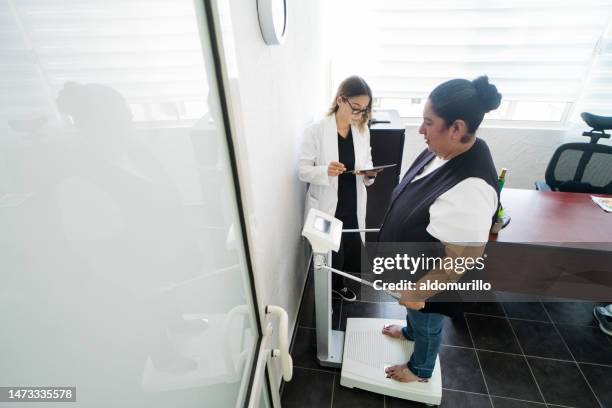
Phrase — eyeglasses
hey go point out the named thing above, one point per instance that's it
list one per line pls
(356, 110)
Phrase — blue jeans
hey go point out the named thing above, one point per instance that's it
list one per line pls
(425, 329)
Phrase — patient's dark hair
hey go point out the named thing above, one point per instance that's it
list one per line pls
(465, 100)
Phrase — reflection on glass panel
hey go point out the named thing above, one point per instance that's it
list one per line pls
(122, 261)
(265, 400)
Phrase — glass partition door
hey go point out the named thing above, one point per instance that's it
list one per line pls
(124, 270)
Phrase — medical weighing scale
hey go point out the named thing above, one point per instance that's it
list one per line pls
(362, 351)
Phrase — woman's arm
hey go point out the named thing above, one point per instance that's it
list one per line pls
(461, 219)
(416, 299)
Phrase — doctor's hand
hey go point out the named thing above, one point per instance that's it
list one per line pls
(335, 168)
(369, 174)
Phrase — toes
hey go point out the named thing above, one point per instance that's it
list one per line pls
(400, 373)
(397, 377)
(390, 371)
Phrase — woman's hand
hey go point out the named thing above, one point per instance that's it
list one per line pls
(369, 174)
(335, 169)
(413, 305)
(410, 299)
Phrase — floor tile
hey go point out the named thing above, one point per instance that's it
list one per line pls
(499, 402)
(391, 402)
(456, 333)
(571, 312)
(515, 297)
(540, 339)
(484, 308)
(308, 388)
(359, 309)
(453, 399)
(353, 285)
(562, 383)
(492, 333)
(336, 313)
(587, 344)
(369, 294)
(450, 399)
(460, 370)
(393, 311)
(355, 398)
(522, 306)
(600, 379)
(508, 376)
(356, 286)
(526, 310)
(307, 312)
(304, 351)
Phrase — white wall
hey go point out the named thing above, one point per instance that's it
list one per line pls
(282, 89)
(525, 152)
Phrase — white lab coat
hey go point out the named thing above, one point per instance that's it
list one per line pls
(319, 147)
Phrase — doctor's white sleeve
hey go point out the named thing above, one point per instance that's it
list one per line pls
(308, 171)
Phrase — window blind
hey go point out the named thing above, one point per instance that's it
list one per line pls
(596, 96)
(536, 51)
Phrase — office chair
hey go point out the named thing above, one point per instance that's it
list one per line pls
(582, 167)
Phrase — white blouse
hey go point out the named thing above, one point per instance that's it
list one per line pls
(463, 214)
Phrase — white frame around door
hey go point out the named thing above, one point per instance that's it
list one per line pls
(222, 45)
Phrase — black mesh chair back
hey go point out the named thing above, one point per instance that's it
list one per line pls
(581, 168)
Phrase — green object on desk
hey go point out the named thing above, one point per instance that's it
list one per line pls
(502, 181)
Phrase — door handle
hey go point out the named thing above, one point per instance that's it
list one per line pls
(282, 351)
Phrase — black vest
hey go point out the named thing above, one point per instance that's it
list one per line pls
(407, 216)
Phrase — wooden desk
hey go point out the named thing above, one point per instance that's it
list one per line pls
(538, 216)
(557, 245)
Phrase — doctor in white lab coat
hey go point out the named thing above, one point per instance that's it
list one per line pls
(334, 150)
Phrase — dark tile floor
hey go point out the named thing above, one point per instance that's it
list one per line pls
(502, 354)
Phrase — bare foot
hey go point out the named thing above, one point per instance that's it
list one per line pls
(393, 330)
(401, 373)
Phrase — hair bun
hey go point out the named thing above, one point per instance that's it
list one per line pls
(487, 93)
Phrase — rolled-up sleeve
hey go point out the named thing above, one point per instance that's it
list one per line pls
(463, 214)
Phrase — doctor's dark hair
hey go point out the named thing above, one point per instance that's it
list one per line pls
(460, 99)
(350, 87)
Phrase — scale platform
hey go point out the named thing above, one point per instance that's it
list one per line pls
(366, 354)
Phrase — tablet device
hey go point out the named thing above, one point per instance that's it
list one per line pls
(376, 169)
